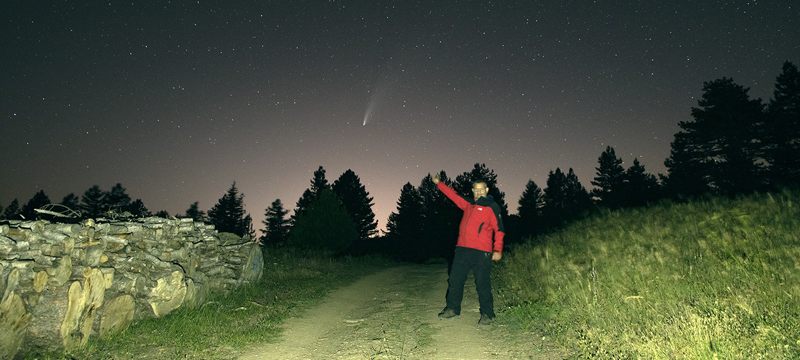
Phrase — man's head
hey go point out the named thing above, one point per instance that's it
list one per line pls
(479, 189)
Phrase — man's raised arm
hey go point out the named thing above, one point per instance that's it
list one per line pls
(450, 193)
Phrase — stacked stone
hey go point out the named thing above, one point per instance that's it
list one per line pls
(62, 283)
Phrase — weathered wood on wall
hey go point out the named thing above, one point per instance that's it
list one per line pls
(64, 283)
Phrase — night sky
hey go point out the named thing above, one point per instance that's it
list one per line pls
(178, 99)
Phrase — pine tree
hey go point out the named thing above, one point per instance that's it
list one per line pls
(247, 227)
(722, 141)
(565, 198)
(12, 211)
(531, 204)
(555, 198)
(640, 188)
(609, 179)
(325, 225)
(687, 168)
(137, 209)
(71, 201)
(318, 183)
(577, 196)
(479, 172)
(228, 214)
(93, 203)
(276, 225)
(440, 218)
(357, 202)
(403, 230)
(162, 214)
(195, 213)
(782, 150)
(117, 199)
(38, 200)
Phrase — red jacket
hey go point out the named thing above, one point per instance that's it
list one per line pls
(481, 220)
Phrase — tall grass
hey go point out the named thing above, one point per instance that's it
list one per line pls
(224, 325)
(717, 278)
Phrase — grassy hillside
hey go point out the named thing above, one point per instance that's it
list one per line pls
(709, 279)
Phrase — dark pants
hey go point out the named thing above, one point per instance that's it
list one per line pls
(480, 263)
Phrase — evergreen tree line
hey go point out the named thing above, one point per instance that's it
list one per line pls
(425, 224)
(732, 145)
(93, 203)
(227, 215)
(339, 217)
(334, 217)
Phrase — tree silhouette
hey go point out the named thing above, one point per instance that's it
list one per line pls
(38, 200)
(609, 179)
(404, 228)
(318, 183)
(71, 201)
(325, 225)
(228, 214)
(687, 168)
(783, 128)
(531, 204)
(565, 198)
(577, 196)
(195, 213)
(555, 198)
(479, 172)
(117, 199)
(12, 211)
(137, 209)
(722, 141)
(440, 219)
(276, 225)
(358, 204)
(92, 202)
(640, 188)
(162, 214)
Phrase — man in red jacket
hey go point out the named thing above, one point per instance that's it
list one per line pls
(480, 241)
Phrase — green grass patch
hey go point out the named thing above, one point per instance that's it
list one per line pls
(717, 278)
(227, 323)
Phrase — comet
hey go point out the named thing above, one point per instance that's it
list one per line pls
(369, 112)
(378, 96)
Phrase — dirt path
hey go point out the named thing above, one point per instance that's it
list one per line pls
(392, 315)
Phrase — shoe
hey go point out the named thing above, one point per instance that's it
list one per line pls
(486, 320)
(447, 313)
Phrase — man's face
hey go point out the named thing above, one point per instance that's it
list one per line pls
(479, 189)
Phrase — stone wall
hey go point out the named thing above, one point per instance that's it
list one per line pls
(63, 283)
